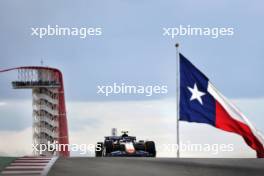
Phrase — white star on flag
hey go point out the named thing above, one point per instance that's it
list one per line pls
(196, 94)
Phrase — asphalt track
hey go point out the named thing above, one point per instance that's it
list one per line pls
(156, 167)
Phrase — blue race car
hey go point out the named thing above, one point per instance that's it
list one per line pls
(125, 146)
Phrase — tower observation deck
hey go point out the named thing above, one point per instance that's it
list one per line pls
(49, 111)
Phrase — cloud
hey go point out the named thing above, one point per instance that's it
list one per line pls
(2, 103)
(154, 120)
(16, 143)
(15, 115)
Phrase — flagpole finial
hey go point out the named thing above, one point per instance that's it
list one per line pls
(177, 45)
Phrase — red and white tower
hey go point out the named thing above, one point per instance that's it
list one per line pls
(49, 111)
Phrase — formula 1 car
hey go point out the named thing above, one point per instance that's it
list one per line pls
(125, 146)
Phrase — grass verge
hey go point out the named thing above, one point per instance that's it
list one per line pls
(5, 161)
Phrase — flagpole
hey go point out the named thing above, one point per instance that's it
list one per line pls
(177, 97)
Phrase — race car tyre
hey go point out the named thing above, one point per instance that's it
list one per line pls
(150, 148)
(108, 147)
(99, 149)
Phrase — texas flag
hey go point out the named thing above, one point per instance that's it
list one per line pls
(201, 102)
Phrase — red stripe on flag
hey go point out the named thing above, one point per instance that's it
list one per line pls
(225, 122)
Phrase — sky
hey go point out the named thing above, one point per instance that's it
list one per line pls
(131, 50)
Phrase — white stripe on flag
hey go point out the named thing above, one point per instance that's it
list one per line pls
(233, 111)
